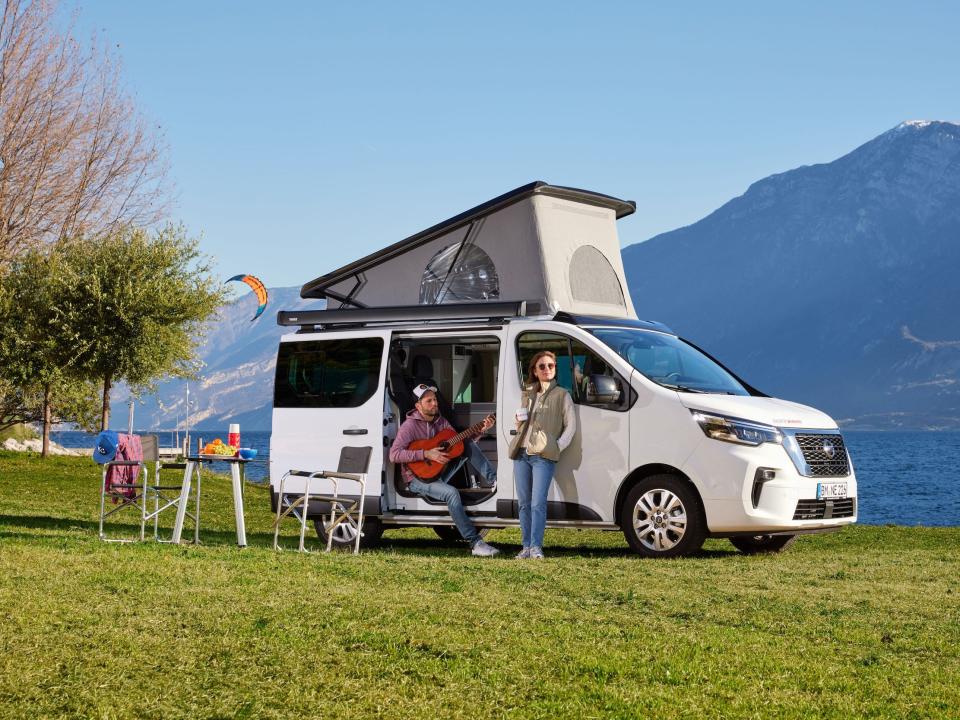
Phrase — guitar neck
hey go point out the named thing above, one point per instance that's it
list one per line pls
(472, 430)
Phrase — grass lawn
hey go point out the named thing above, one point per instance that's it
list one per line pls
(862, 623)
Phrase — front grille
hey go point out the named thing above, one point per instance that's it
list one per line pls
(821, 464)
(825, 509)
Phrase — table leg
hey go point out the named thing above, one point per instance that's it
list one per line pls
(184, 501)
(196, 507)
(238, 503)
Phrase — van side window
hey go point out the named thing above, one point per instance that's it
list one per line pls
(327, 373)
(575, 363)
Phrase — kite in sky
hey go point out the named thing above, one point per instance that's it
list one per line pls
(257, 287)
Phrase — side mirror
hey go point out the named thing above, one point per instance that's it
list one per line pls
(602, 390)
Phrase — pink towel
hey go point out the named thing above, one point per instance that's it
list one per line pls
(128, 448)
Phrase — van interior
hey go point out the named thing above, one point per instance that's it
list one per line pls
(464, 370)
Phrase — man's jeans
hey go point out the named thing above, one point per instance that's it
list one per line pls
(533, 475)
(440, 489)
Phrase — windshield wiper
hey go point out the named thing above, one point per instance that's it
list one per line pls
(684, 388)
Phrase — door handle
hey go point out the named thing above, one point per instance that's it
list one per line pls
(513, 432)
(355, 431)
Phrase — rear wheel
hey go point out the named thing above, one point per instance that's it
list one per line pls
(345, 534)
(662, 517)
(756, 544)
(450, 534)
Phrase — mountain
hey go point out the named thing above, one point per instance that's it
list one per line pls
(236, 379)
(834, 285)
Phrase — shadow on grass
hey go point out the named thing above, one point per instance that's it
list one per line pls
(427, 546)
(121, 529)
(288, 540)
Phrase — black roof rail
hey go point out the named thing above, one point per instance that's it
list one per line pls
(409, 313)
(572, 319)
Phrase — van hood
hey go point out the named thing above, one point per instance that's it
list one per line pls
(770, 411)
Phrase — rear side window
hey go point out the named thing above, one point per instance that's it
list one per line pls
(327, 373)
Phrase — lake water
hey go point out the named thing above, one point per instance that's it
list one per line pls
(905, 478)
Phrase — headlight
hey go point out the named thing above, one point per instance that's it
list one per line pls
(734, 430)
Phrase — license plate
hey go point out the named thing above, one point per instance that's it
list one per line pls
(827, 491)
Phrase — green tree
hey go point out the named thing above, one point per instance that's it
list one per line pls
(37, 382)
(132, 304)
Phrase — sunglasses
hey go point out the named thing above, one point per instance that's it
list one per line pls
(546, 366)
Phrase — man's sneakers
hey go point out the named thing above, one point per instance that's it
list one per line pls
(482, 549)
(487, 483)
(524, 554)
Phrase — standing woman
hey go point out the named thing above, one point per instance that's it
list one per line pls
(546, 424)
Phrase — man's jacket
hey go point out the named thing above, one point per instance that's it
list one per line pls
(415, 427)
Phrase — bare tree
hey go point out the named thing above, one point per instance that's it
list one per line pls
(75, 155)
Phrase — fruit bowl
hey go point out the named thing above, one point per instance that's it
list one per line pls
(247, 453)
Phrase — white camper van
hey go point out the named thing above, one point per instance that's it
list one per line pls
(671, 447)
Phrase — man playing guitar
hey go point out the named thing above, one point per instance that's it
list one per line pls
(423, 423)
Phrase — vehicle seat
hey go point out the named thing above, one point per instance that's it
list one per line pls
(399, 383)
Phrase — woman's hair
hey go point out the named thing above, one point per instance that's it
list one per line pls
(532, 368)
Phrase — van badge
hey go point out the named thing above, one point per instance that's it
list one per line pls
(829, 449)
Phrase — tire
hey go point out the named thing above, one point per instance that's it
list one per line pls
(450, 534)
(758, 544)
(662, 517)
(344, 536)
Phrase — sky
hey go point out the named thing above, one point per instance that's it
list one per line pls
(305, 135)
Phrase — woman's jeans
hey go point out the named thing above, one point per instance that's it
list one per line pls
(532, 475)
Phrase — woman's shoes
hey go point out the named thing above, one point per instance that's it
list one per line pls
(530, 553)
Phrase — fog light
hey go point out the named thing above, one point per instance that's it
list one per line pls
(761, 476)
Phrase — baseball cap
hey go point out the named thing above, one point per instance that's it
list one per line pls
(422, 388)
(105, 446)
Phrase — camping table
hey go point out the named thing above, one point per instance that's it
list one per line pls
(236, 474)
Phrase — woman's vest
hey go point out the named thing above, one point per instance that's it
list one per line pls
(544, 425)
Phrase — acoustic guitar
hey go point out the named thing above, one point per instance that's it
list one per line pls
(448, 441)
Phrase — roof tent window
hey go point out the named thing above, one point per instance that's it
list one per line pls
(593, 279)
(459, 273)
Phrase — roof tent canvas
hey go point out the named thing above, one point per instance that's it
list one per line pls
(545, 244)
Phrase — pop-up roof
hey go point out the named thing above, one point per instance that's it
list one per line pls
(551, 245)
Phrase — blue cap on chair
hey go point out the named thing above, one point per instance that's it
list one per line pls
(105, 446)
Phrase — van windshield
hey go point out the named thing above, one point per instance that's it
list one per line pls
(669, 361)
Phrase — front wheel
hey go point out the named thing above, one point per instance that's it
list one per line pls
(662, 517)
(757, 544)
(345, 534)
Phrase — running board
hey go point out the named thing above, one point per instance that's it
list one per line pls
(402, 519)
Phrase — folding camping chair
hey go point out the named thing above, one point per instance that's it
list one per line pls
(345, 510)
(131, 494)
(139, 494)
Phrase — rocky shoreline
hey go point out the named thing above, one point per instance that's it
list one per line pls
(36, 445)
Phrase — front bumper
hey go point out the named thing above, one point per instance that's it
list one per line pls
(725, 474)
